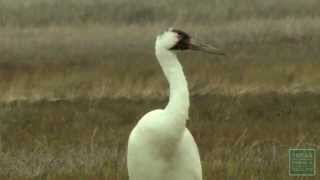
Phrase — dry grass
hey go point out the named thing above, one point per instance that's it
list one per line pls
(75, 76)
(47, 12)
(243, 137)
(100, 61)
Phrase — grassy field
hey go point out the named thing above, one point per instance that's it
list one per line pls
(60, 12)
(75, 77)
(240, 137)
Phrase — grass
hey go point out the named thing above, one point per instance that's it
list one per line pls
(75, 76)
(244, 136)
(66, 62)
(62, 12)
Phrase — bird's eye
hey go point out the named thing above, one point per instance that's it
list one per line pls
(179, 37)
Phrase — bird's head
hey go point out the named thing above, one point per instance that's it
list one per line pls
(174, 39)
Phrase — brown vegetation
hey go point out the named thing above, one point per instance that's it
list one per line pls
(75, 76)
(100, 61)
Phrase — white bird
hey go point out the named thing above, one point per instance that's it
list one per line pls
(160, 146)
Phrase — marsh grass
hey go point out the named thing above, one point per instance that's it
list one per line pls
(243, 137)
(61, 12)
(64, 91)
(75, 76)
(65, 62)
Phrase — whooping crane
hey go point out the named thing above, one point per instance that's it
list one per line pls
(160, 146)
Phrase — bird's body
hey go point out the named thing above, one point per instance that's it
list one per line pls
(165, 155)
(160, 146)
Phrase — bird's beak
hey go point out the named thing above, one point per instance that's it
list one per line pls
(201, 46)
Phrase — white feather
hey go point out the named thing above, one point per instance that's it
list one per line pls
(160, 146)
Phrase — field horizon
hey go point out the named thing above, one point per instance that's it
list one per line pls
(96, 61)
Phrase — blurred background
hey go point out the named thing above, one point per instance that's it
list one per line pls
(76, 75)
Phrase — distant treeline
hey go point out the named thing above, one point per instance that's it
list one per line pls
(23, 13)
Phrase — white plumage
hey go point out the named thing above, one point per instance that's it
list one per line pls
(160, 146)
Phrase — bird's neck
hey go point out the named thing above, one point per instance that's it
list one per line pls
(178, 105)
